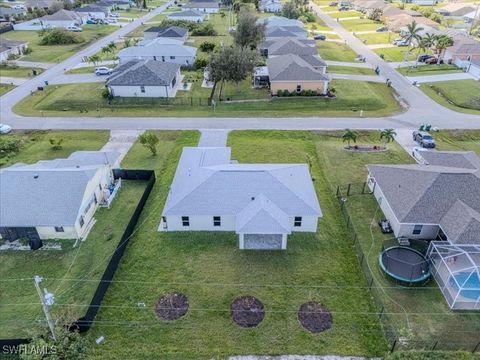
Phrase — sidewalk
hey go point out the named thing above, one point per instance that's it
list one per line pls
(213, 138)
(122, 141)
(441, 77)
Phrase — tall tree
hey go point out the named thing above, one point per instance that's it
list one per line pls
(387, 135)
(413, 33)
(149, 141)
(442, 42)
(248, 32)
(290, 10)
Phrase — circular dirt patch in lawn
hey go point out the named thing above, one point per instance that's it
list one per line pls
(315, 317)
(172, 306)
(247, 311)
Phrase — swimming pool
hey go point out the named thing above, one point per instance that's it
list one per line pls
(471, 284)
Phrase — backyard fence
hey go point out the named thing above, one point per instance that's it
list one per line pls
(396, 341)
(83, 324)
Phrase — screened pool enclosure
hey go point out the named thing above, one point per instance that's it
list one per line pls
(456, 268)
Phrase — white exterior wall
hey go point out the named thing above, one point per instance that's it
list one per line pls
(182, 60)
(474, 70)
(16, 50)
(197, 19)
(58, 23)
(309, 224)
(204, 10)
(425, 2)
(48, 232)
(134, 91)
(201, 223)
(32, 25)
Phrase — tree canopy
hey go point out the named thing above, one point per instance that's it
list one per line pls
(248, 32)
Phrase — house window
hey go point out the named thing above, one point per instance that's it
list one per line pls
(59, 229)
(185, 221)
(299, 88)
(163, 58)
(297, 222)
(417, 229)
(172, 57)
(142, 89)
(81, 221)
(217, 221)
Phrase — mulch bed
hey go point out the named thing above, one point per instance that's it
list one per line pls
(172, 306)
(247, 311)
(315, 317)
(366, 148)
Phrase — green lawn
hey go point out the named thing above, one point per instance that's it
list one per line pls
(20, 310)
(458, 95)
(420, 314)
(4, 88)
(423, 70)
(458, 140)
(378, 38)
(81, 70)
(397, 53)
(375, 99)
(35, 144)
(360, 25)
(17, 71)
(131, 13)
(344, 14)
(335, 51)
(211, 270)
(350, 70)
(57, 53)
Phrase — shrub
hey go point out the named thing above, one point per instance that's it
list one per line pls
(205, 30)
(207, 46)
(106, 94)
(200, 63)
(58, 36)
(27, 51)
(9, 147)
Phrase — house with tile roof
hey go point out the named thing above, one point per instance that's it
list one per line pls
(55, 199)
(436, 199)
(144, 78)
(262, 203)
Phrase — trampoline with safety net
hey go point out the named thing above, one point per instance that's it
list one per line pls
(405, 266)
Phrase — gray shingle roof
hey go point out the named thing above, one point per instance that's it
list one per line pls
(187, 13)
(144, 73)
(292, 67)
(201, 5)
(171, 31)
(92, 8)
(61, 15)
(206, 183)
(289, 45)
(10, 11)
(7, 44)
(48, 193)
(159, 47)
(441, 194)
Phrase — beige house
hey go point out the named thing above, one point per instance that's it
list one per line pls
(295, 73)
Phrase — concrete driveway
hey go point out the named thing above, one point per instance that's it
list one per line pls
(77, 79)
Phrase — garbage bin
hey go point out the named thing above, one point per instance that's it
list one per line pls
(35, 244)
(34, 72)
(40, 88)
(46, 82)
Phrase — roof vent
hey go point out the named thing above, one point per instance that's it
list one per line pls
(35, 176)
(78, 166)
(253, 198)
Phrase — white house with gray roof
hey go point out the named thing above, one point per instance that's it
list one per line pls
(171, 32)
(144, 78)
(438, 199)
(272, 6)
(188, 15)
(262, 203)
(207, 7)
(54, 198)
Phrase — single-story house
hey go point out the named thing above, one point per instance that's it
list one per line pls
(389, 12)
(474, 69)
(61, 19)
(94, 11)
(285, 46)
(262, 203)
(436, 199)
(144, 78)
(279, 21)
(208, 7)
(294, 73)
(54, 198)
(115, 4)
(9, 14)
(41, 4)
(368, 6)
(9, 47)
(456, 9)
(466, 50)
(272, 6)
(188, 15)
(397, 22)
(285, 32)
(471, 17)
(425, 2)
(160, 49)
(171, 32)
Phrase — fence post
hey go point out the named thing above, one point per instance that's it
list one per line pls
(476, 347)
(363, 188)
(435, 345)
(348, 189)
(393, 346)
(338, 190)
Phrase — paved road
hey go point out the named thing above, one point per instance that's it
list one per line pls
(441, 77)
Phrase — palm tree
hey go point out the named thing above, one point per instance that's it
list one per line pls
(94, 59)
(388, 135)
(349, 135)
(441, 44)
(413, 33)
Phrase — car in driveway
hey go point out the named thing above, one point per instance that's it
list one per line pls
(432, 60)
(74, 28)
(103, 70)
(424, 139)
(400, 42)
(5, 129)
(320, 37)
(424, 57)
(381, 29)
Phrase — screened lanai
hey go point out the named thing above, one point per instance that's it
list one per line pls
(456, 268)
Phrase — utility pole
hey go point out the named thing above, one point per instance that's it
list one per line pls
(47, 300)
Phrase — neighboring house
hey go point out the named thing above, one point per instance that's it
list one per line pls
(439, 199)
(425, 2)
(208, 7)
(262, 203)
(41, 4)
(95, 12)
(279, 21)
(160, 49)
(54, 198)
(471, 17)
(463, 51)
(144, 78)
(272, 6)
(285, 46)
(367, 7)
(188, 15)
(115, 4)
(390, 12)
(9, 14)
(63, 19)
(172, 32)
(295, 73)
(397, 22)
(456, 9)
(11, 47)
(285, 32)
(473, 69)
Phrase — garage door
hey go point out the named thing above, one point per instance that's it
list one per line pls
(262, 241)
(14, 233)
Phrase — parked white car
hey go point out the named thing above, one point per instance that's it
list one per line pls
(5, 129)
(74, 28)
(400, 42)
(114, 15)
(111, 20)
(103, 70)
(19, 7)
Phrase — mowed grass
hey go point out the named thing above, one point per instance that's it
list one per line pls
(335, 51)
(378, 38)
(211, 271)
(57, 53)
(4, 88)
(20, 310)
(425, 70)
(458, 140)
(375, 99)
(459, 95)
(350, 70)
(35, 144)
(360, 25)
(344, 14)
(420, 314)
(82, 70)
(397, 54)
(17, 71)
